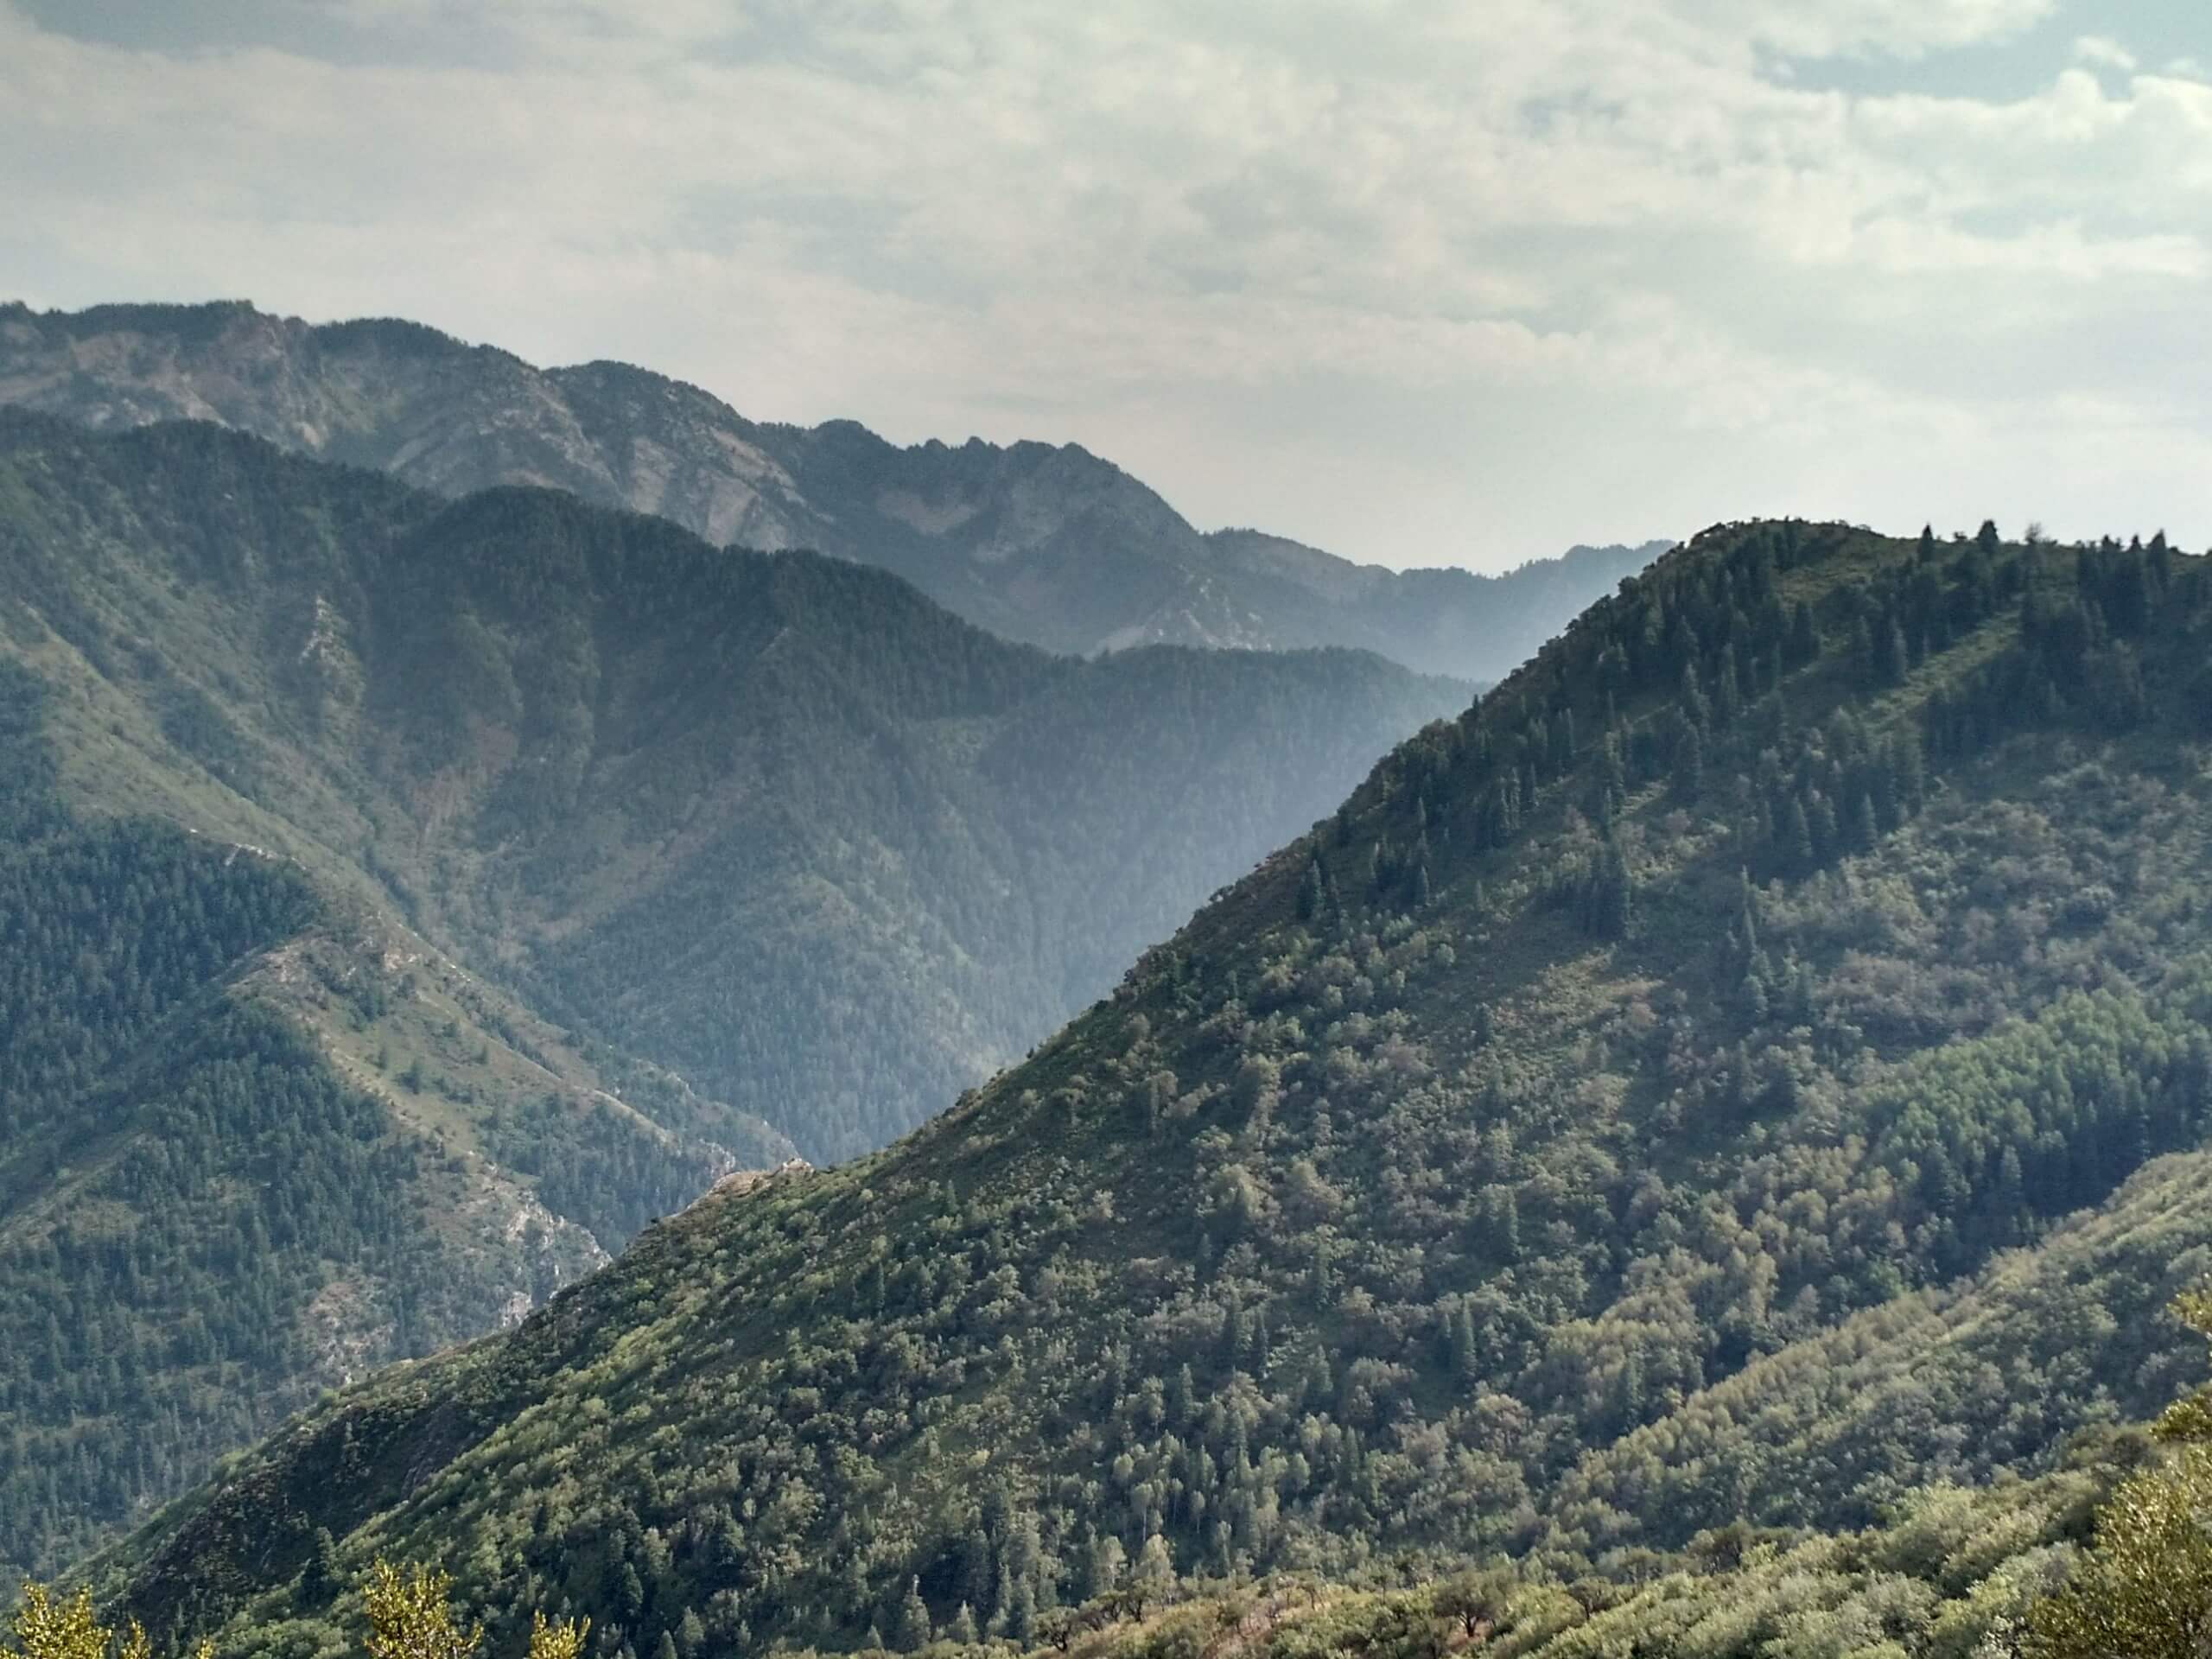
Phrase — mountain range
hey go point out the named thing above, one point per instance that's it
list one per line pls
(1683, 1126)
(406, 898)
(1045, 545)
(1709, 1132)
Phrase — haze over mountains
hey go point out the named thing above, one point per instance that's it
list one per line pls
(1751, 1065)
(1050, 546)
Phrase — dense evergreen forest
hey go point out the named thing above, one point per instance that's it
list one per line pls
(776, 822)
(1748, 1075)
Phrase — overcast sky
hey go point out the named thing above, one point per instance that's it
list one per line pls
(1420, 281)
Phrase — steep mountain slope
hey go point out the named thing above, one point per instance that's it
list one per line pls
(775, 821)
(283, 746)
(253, 1143)
(1048, 545)
(1755, 1059)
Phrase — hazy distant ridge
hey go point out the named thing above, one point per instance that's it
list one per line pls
(1050, 546)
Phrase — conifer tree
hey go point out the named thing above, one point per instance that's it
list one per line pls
(1804, 636)
(319, 1582)
(1463, 1341)
(1109, 1561)
(1689, 764)
(1891, 657)
(1155, 1568)
(1799, 845)
(914, 1629)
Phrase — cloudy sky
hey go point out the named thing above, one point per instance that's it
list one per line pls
(1420, 281)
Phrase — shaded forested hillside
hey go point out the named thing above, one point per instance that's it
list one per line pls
(254, 1142)
(774, 820)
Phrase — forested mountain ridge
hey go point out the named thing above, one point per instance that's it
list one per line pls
(1050, 546)
(1751, 1064)
(773, 820)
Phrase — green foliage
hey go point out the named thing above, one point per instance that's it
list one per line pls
(411, 1615)
(129, 1309)
(46, 1626)
(2146, 1589)
(408, 1611)
(1951, 1574)
(201, 1219)
(1752, 1063)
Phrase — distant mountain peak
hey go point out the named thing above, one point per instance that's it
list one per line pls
(1045, 543)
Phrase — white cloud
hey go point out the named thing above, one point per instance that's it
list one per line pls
(2103, 52)
(1598, 261)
